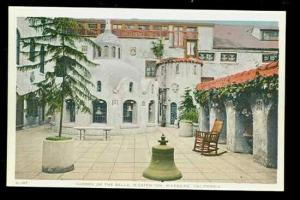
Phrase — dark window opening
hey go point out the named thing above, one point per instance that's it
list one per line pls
(207, 56)
(70, 104)
(270, 34)
(228, 57)
(269, 57)
(128, 111)
(99, 86)
(130, 86)
(150, 69)
(99, 111)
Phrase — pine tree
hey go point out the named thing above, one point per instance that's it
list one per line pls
(67, 75)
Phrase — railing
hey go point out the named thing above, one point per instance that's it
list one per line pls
(125, 33)
(141, 33)
(90, 32)
(191, 35)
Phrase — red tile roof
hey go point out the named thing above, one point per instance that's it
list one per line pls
(174, 60)
(264, 70)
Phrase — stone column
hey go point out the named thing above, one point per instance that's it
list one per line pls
(260, 132)
(231, 125)
(202, 120)
(212, 116)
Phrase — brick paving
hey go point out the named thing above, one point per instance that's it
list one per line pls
(125, 157)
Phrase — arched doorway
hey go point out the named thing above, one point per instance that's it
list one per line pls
(19, 112)
(206, 117)
(244, 128)
(130, 111)
(173, 115)
(151, 112)
(221, 115)
(99, 111)
(272, 137)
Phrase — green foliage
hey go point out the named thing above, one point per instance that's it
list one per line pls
(265, 88)
(191, 115)
(57, 138)
(187, 108)
(158, 48)
(58, 37)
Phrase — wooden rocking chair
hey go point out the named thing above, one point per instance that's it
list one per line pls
(207, 142)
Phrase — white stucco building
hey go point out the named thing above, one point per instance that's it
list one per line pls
(136, 92)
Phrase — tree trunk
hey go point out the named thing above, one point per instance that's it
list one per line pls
(61, 109)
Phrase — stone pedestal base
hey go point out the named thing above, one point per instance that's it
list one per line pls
(58, 156)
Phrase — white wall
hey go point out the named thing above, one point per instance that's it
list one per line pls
(205, 37)
(245, 60)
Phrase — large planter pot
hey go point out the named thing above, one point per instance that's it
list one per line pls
(195, 127)
(58, 156)
(185, 128)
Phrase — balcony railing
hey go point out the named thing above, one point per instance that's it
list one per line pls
(191, 35)
(125, 33)
(90, 32)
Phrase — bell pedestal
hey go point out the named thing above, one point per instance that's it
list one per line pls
(162, 166)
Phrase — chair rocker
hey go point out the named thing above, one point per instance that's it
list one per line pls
(207, 142)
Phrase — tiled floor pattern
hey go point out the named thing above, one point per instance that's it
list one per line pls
(125, 157)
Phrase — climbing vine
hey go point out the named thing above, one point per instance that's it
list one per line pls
(158, 48)
(265, 88)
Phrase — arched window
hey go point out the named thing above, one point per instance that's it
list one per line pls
(99, 86)
(99, 51)
(70, 107)
(99, 111)
(31, 50)
(129, 111)
(130, 86)
(113, 52)
(18, 47)
(42, 59)
(152, 89)
(106, 51)
(162, 70)
(177, 69)
(119, 53)
(195, 69)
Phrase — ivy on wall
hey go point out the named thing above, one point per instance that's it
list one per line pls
(265, 88)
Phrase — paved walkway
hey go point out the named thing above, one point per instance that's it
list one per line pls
(124, 157)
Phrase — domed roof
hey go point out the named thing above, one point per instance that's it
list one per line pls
(107, 38)
(114, 71)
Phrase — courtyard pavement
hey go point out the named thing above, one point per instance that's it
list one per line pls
(126, 156)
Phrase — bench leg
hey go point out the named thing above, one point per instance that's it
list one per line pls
(79, 134)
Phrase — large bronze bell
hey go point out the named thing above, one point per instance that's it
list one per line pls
(162, 166)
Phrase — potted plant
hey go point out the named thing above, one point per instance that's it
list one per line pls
(187, 122)
(188, 116)
(66, 77)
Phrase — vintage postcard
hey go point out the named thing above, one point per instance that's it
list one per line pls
(146, 98)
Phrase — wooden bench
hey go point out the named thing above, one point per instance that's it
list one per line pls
(82, 129)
